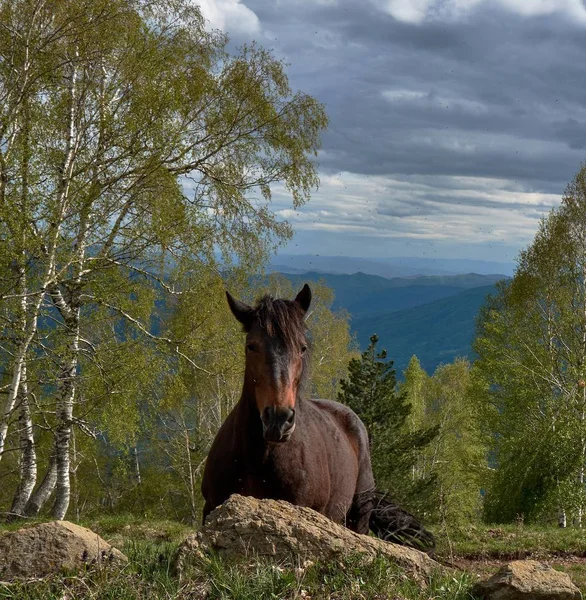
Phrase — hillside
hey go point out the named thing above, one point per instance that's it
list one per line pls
(430, 316)
(437, 332)
(365, 295)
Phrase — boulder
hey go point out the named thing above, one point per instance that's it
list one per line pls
(48, 548)
(243, 527)
(527, 580)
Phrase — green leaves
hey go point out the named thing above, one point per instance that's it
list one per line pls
(134, 148)
(532, 347)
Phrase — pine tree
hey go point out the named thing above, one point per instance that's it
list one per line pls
(371, 392)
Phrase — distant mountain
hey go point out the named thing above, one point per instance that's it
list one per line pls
(294, 263)
(432, 317)
(437, 332)
(365, 295)
(387, 267)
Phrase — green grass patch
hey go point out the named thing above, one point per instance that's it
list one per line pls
(149, 574)
(129, 527)
(14, 525)
(510, 542)
(348, 579)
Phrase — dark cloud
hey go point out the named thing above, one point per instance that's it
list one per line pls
(431, 204)
(572, 132)
(448, 137)
(501, 95)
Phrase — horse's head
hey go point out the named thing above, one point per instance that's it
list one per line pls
(276, 346)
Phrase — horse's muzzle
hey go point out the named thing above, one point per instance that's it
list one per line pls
(277, 424)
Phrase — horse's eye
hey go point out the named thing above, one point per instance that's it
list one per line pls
(251, 347)
(303, 349)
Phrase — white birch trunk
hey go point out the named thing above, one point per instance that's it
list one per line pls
(17, 370)
(191, 479)
(70, 312)
(40, 496)
(28, 460)
(66, 399)
(137, 475)
(49, 275)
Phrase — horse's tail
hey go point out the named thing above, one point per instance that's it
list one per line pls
(393, 524)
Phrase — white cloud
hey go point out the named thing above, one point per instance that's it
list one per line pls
(230, 16)
(411, 11)
(432, 98)
(474, 211)
(417, 11)
(529, 8)
(403, 95)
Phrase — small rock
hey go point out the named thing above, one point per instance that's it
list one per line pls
(527, 580)
(244, 526)
(48, 548)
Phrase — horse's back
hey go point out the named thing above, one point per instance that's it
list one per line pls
(350, 423)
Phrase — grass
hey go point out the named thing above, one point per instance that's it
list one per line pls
(512, 542)
(151, 545)
(149, 575)
(346, 580)
(483, 549)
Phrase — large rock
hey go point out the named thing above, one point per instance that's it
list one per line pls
(527, 580)
(41, 550)
(245, 526)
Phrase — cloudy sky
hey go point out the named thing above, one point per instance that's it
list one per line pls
(455, 124)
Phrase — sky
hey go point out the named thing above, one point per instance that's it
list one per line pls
(455, 125)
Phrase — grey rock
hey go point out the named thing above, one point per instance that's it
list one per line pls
(527, 580)
(248, 527)
(39, 550)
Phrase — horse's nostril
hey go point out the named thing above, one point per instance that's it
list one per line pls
(291, 417)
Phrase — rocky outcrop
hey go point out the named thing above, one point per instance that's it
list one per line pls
(527, 580)
(48, 548)
(245, 527)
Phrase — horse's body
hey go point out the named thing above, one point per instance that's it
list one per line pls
(276, 444)
(325, 465)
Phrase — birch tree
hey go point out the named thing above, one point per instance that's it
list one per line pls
(456, 458)
(143, 143)
(532, 347)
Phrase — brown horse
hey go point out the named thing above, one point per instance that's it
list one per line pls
(277, 444)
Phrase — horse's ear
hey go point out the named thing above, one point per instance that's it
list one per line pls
(303, 298)
(241, 311)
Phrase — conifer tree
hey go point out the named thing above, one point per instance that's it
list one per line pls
(371, 392)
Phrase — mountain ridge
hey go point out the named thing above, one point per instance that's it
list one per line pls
(432, 317)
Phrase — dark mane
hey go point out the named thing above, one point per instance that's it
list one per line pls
(282, 319)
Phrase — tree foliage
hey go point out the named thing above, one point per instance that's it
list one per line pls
(532, 347)
(133, 148)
